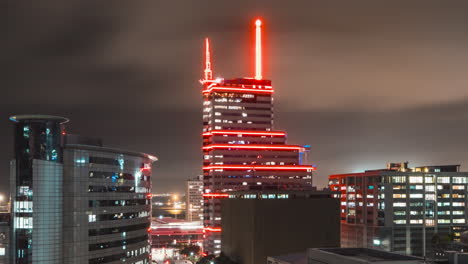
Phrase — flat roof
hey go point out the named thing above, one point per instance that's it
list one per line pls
(18, 118)
(369, 255)
(111, 150)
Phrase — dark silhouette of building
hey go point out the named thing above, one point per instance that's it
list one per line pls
(257, 224)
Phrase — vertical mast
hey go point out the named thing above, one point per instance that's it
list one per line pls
(208, 72)
(258, 49)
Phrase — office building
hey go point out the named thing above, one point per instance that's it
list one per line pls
(257, 224)
(402, 209)
(5, 227)
(241, 149)
(194, 199)
(75, 201)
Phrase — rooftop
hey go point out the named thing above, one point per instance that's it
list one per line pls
(19, 118)
(366, 255)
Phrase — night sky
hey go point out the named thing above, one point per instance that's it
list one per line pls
(362, 82)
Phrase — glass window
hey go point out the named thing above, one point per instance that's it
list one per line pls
(459, 179)
(443, 180)
(415, 179)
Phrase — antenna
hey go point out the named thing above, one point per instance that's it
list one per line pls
(258, 49)
(208, 72)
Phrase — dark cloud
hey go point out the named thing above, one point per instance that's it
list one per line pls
(363, 82)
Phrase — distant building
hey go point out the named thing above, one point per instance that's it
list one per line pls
(194, 199)
(402, 209)
(170, 235)
(345, 256)
(75, 201)
(257, 224)
(171, 232)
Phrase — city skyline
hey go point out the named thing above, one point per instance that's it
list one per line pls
(363, 81)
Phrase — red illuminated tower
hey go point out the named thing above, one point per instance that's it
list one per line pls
(240, 148)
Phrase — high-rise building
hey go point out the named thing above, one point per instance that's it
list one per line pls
(75, 201)
(241, 150)
(401, 209)
(194, 199)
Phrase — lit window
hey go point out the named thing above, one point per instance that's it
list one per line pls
(443, 179)
(459, 179)
(415, 179)
(91, 218)
(2, 251)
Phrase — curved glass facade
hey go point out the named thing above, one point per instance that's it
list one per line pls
(37, 196)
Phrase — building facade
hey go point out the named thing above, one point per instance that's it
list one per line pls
(75, 201)
(241, 149)
(5, 227)
(401, 209)
(258, 224)
(194, 199)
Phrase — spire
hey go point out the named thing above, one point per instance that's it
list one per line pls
(208, 72)
(258, 49)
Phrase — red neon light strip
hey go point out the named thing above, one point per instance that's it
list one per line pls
(213, 229)
(254, 147)
(232, 89)
(258, 49)
(216, 195)
(240, 132)
(259, 167)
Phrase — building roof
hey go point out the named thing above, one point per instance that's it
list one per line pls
(111, 150)
(366, 255)
(19, 118)
(295, 258)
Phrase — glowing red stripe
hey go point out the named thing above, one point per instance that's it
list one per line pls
(259, 167)
(240, 132)
(254, 147)
(232, 89)
(213, 229)
(258, 49)
(216, 195)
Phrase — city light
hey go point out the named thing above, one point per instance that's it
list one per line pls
(258, 49)
(237, 89)
(260, 167)
(216, 195)
(253, 147)
(244, 132)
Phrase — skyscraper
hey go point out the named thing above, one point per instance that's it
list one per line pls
(241, 150)
(75, 201)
